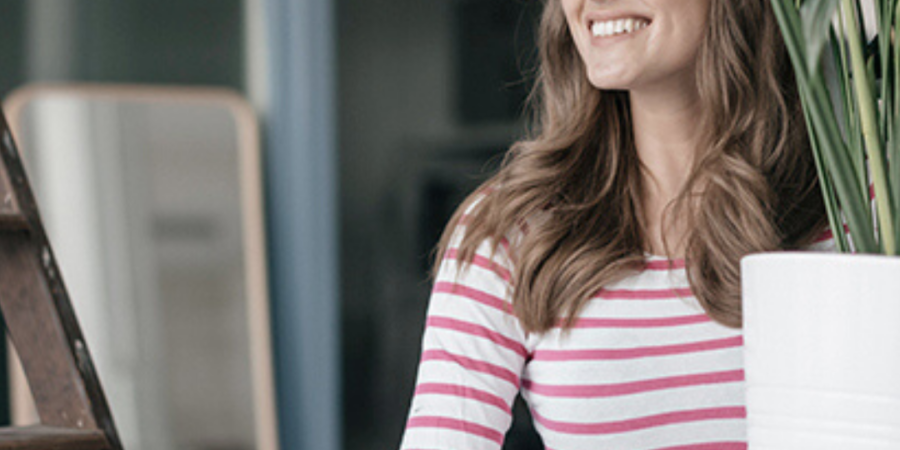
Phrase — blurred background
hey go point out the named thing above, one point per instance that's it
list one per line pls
(202, 162)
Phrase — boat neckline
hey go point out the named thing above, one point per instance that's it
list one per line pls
(653, 257)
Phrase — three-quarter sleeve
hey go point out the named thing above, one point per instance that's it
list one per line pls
(473, 351)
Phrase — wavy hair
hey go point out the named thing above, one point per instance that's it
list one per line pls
(752, 187)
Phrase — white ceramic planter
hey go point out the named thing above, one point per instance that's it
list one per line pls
(822, 351)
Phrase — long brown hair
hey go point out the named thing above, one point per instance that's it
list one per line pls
(753, 186)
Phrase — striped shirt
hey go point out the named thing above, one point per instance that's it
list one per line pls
(644, 368)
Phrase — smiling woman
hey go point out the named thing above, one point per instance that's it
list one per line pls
(597, 273)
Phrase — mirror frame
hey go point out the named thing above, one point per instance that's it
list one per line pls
(253, 227)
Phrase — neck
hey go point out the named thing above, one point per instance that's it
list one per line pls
(666, 135)
(666, 125)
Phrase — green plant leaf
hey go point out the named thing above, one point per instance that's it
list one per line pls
(835, 159)
(868, 114)
(894, 146)
(816, 16)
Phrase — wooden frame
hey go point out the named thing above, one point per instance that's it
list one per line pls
(252, 223)
(42, 325)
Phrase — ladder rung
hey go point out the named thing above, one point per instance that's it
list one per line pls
(41, 437)
(12, 222)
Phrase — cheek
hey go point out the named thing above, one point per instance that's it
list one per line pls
(573, 26)
(682, 34)
(570, 11)
(695, 30)
(684, 47)
(696, 40)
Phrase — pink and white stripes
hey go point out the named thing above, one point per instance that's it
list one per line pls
(642, 369)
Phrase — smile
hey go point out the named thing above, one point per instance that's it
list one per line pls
(618, 26)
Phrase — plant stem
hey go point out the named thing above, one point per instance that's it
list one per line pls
(871, 137)
(894, 162)
(853, 132)
(831, 208)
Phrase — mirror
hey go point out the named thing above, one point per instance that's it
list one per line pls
(152, 200)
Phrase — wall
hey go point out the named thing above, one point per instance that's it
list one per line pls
(410, 148)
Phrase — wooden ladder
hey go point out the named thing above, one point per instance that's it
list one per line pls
(40, 320)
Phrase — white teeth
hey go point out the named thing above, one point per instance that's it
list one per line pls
(612, 27)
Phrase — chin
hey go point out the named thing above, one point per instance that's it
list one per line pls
(609, 82)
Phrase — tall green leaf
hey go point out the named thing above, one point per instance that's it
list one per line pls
(853, 129)
(869, 115)
(884, 19)
(815, 17)
(832, 149)
(894, 147)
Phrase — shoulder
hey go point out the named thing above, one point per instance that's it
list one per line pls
(508, 238)
(493, 253)
(474, 278)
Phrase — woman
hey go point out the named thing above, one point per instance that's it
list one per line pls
(598, 272)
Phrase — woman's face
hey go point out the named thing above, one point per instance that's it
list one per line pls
(634, 44)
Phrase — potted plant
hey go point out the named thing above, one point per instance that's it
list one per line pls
(822, 330)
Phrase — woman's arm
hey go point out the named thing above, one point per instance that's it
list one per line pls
(473, 352)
